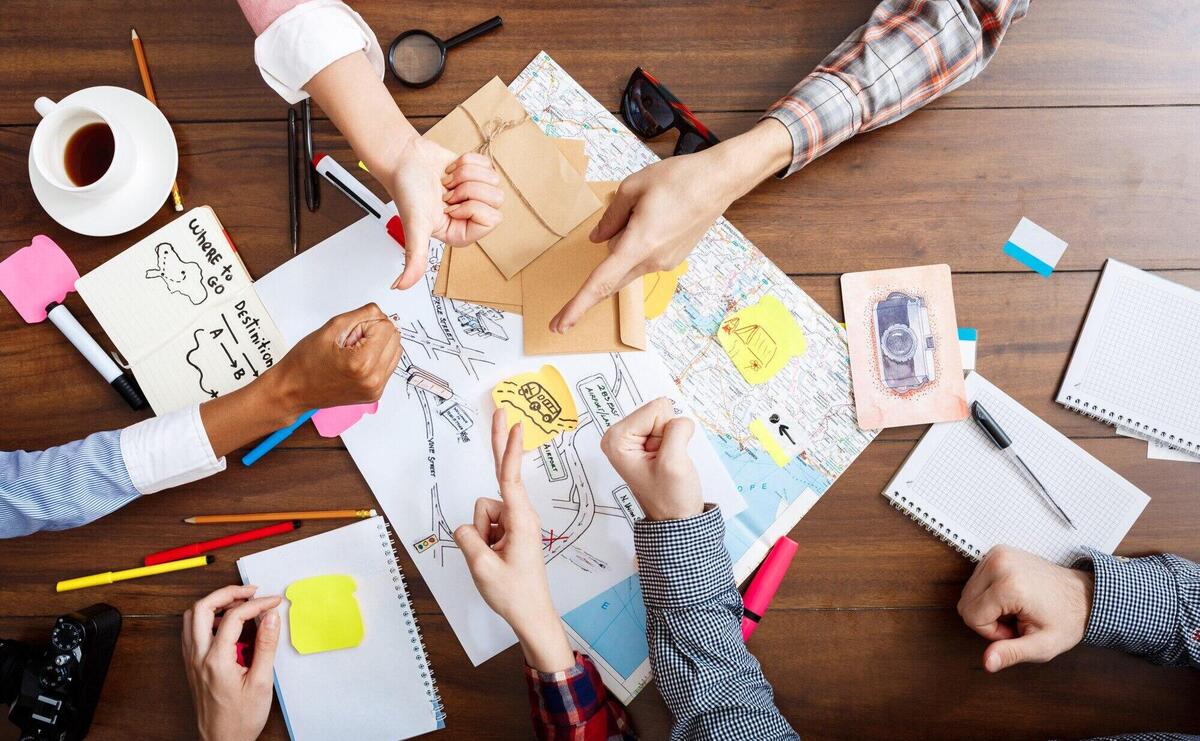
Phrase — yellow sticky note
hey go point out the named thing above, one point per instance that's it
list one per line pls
(324, 614)
(542, 401)
(761, 339)
(659, 288)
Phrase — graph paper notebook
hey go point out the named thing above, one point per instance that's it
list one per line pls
(379, 690)
(1135, 362)
(961, 488)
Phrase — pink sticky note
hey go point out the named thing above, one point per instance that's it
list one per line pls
(36, 275)
(336, 420)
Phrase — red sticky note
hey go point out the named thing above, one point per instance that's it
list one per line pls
(35, 276)
(334, 421)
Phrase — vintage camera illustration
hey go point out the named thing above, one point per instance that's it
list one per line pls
(905, 342)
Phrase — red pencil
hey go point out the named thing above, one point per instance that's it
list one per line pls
(204, 546)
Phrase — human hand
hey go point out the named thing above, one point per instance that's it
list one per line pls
(660, 212)
(455, 200)
(1030, 609)
(649, 450)
(347, 361)
(503, 549)
(231, 701)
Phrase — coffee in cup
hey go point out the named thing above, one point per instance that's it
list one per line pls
(77, 149)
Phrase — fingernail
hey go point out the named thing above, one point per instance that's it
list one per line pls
(992, 663)
(446, 179)
(595, 231)
(271, 621)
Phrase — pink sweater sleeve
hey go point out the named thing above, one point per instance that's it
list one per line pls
(262, 13)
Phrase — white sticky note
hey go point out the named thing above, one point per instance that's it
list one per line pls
(967, 339)
(1034, 247)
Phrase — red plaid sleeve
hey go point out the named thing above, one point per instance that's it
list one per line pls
(907, 54)
(573, 705)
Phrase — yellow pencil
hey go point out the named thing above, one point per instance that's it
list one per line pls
(108, 577)
(320, 514)
(144, 70)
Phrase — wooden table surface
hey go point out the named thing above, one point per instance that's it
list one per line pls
(1086, 122)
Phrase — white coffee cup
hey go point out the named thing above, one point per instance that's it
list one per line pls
(59, 123)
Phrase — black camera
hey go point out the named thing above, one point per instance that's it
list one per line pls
(52, 692)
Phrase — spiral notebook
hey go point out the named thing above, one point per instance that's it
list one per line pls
(961, 488)
(382, 689)
(1135, 363)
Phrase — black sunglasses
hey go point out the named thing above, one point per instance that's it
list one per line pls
(650, 110)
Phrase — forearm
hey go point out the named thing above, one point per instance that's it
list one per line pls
(251, 412)
(1149, 607)
(711, 683)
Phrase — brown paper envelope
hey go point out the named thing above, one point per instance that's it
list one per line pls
(616, 324)
(544, 197)
(474, 277)
(443, 274)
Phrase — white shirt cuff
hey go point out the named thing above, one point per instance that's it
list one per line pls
(168, 451)
(307, 39)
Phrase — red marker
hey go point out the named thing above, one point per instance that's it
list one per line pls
(341, 179)
(204, 546)
(762, 590)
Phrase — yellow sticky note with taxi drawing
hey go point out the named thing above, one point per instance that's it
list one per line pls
(760, 339)
(659, 288)
(541, 401)
(324, 614)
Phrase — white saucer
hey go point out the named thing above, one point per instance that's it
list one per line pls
(149, 185)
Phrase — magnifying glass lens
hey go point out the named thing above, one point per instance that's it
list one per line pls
(417, 58)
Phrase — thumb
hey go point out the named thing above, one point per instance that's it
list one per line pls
(615, 216)
(475, 549)
(417, 231)
(675, 438)
(265, 643)
(1035, 647)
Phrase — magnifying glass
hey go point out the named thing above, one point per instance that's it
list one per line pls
(417, 57)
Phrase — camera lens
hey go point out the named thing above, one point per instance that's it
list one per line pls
(899, 343)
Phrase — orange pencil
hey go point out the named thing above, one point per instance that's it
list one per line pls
(144, 70)
(321, 514)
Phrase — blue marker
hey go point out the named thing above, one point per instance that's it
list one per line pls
(276, 437)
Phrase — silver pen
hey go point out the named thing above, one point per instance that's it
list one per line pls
(1004, 443)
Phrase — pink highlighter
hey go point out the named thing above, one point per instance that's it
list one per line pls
(762, 590)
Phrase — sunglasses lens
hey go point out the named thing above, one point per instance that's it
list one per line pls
(646, 110)
(689, 142)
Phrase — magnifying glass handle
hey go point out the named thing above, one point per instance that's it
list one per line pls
(470, 33)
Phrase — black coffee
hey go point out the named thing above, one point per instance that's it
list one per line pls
(89, 153)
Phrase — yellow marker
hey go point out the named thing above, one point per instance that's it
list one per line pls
(543, 402)
(108, 577)
(324, 614)
(659, 288)
(761, 339)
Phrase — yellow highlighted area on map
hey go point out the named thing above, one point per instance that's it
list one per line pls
(760, 339)
(541, 401)
(659, 288)
(324, 614)
(768, 441)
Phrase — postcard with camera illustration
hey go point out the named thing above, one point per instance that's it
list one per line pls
(904, 358)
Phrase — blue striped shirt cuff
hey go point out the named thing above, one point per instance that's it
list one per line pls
(683, 562)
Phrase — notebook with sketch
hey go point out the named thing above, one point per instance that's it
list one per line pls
(958, 485)
(182, 311)
(1135, 364)
(382, 688)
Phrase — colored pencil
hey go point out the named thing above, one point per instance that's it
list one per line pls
(139, 54)
(276, 437)
(192, 550)
(108, 577)
(320, 514)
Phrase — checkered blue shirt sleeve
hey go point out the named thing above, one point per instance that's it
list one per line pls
(1146, 606)
(713, 686)
(907, 54)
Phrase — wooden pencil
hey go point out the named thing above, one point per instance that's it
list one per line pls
(321, 514)
(144, 70)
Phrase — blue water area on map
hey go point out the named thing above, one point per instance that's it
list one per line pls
(614, 625)
(614, 622)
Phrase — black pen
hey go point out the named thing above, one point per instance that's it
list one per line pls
(293, 186)
(312, 184)
(1002, 441)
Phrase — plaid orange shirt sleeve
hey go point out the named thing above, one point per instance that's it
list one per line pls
(908, 53)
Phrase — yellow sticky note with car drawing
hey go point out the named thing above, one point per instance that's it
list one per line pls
(659, 288)
(760, 339)
(541, 401)
(324, 614)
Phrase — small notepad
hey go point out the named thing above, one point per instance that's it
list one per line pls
(959, 486)
(182, 310)
(377, 687)
(1137, 359)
